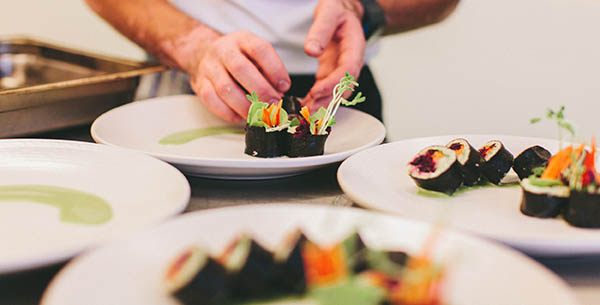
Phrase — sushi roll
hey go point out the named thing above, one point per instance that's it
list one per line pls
(435, 168)
(195, 278)
(265, 129)
(264, 144)
(583, 209)
(543, 198)
(303, 136)
(498, 161)
(250, 268)
(470, 160)
(532, 157)
(288, 275)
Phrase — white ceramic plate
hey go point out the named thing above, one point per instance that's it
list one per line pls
(137, 191)
(378, 179)
(141, 125)
(130, 272)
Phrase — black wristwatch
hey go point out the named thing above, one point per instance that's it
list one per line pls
(373, 21)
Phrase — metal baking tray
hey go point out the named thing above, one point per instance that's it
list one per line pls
(45, 87)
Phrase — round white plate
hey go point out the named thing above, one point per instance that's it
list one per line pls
(139, 190)
(378, 179)
(141, 125)
(130, 272)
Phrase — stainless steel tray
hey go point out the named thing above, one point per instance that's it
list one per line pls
(45, 87)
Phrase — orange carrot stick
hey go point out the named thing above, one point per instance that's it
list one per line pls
(266, 117)
(305, 113)
(558, 163)
(277, 111)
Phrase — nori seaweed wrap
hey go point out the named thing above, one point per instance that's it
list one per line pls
(264, 144)
(435, 168)
(250, 268)
(288, 274)
(583, 209)
(196, 278)
(543, 201)
(498, 161)
(302, 140)
(470, 160)
(532, 157)
(307, 145)
(266, 129)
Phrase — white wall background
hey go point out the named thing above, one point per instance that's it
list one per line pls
(487, 69)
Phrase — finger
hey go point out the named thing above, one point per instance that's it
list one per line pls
(328, 60)
(209, 97)
(350, 60)
(228, 91)
(315, 104)
(247, 75)
(264, 55)
(326, 20)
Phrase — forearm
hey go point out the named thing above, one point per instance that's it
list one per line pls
(403, 15)
(158, 27)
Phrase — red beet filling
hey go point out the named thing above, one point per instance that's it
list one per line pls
(456, 146)
(425, 163)
(484, 150)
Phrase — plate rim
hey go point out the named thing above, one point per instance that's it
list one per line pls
(65, 254)
(240, 163)
(532, 264)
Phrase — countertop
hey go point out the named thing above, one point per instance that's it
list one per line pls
(582, 274)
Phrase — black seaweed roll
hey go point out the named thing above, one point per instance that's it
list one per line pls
(289, 276)
(543, 201)
(264, 144)
(532, 157)
(435, 168)
(250, 268)
(306, 145)
(469, 159)
(583, 209)
(498, 161)
(195, 278)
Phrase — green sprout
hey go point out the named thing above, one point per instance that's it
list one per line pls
(346, 84)
(562, 123)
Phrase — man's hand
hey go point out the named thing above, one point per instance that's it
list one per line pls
(336, 38)
(234, 62)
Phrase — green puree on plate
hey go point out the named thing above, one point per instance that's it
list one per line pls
(462, 189)
(349, 292)
(74, 206)
(183, 137)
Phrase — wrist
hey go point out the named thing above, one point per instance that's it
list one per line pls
(373, 19)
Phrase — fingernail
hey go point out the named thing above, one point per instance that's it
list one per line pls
(273, 100)
(283, 86)
(314, 46)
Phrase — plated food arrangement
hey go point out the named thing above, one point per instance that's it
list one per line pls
(565, 184)
(378, 179)
(182, 131)
(163, 265)
(300, 270)
(286, 128)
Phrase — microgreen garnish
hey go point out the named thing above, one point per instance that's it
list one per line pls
(561, 122)
(346, 84)
(262, 114)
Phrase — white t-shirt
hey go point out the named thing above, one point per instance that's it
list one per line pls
(284, 23)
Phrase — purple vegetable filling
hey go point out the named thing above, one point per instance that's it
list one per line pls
(303, 130)
(484, 150)
(425, 163)
(456, 146)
